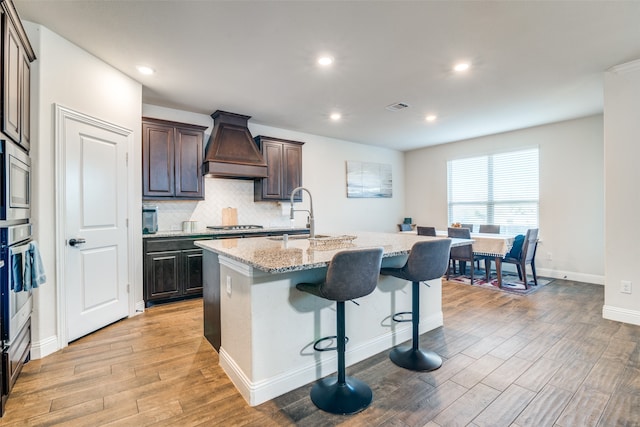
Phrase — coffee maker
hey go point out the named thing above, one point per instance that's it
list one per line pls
(149, 219)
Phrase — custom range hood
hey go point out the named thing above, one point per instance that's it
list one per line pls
(231, 151)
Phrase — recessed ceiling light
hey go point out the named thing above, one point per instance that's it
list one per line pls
(325, 60)
(461, 66)
(335, 116)
(143, 69)
(431, 118)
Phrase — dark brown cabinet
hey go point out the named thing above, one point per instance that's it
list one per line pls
(17, 56)
(284, 167)
(172, 160)
(172, 268)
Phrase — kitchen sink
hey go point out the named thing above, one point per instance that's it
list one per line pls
(291, 237)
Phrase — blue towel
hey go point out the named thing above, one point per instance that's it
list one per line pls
(16, 272)
(33, 269)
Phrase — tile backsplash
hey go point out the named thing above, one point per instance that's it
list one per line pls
(219, 194)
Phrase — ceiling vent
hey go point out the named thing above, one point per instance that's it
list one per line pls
(397, 106)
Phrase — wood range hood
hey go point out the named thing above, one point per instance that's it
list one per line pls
(231, 151)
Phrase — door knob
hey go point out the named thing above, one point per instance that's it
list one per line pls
(78, 241)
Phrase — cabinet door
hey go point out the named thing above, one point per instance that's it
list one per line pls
(272, 186)
(26, 103)
(12, 89)
(188, 160)
(157, 160)
(292, 174)
(163, 275)
(192, 277)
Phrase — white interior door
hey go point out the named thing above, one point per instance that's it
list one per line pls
(95, 228)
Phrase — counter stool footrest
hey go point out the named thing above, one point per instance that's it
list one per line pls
(350, 397)
(396, 317)
(415, 359)
(332, 337)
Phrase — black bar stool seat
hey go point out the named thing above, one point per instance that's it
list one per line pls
(351, 274)
(428, 260)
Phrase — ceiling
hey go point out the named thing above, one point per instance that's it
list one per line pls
(533, 62)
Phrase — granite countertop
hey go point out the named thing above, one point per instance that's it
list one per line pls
(210, 232)
(276, 256)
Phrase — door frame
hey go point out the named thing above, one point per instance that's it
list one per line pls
(61, 114)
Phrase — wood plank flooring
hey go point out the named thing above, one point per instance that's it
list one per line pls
(547, 359)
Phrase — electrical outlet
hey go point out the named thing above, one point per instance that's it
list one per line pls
(229, 285)
(625, 286)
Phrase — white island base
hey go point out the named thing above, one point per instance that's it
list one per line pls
(268, 327)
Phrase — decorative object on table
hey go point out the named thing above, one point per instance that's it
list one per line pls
(366, 179)
(408, 221)
(456, 225)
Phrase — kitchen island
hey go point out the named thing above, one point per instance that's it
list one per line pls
(264, 328)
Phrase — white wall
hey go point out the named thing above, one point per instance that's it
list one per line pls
(69, 76)
(571, 191)
(622, 201)
(323, 173)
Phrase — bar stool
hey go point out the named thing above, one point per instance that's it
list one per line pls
(428, 260)
(351, 274)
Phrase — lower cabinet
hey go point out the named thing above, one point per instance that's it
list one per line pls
(172, 269)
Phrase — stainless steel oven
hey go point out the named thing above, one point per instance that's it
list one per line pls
(16, 296)
(15, 177)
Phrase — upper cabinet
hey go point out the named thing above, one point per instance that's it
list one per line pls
(284, 169)
(172, 160)
(17, 55)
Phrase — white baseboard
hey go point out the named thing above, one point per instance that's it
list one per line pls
(45, 347)
(259, 392)
(621, 314)
(139, 308)
(570, 275)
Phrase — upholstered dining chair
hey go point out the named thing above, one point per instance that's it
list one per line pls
(527, 256)
(489, 228)
(469, 226)
(463, 253)
(492, 229)
(426, 231)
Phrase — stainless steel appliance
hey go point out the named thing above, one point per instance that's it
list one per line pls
(149, 219)
(15, 175)
(17, 301)
(235, 227)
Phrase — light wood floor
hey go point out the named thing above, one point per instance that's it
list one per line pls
(547, 359)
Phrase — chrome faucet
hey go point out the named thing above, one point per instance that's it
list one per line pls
(310, 219)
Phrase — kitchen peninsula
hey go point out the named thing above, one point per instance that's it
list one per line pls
(264, 328)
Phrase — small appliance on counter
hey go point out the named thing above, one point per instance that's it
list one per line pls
(149, 219)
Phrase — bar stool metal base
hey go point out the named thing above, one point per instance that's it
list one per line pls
(349, 398)
(415, 359)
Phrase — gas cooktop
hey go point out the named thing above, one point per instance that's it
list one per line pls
(234, 227)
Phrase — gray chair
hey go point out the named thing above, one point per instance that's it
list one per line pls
(489, 228)
(469, 226)
(527, 256)
(462, 254)
(426, 231)
(427, 260)
(351, 274)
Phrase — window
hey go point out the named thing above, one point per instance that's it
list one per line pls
(496, 189)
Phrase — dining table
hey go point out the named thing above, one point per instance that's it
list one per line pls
(493, 246)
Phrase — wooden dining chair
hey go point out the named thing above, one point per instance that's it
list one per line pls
(527, 256)
(426, 231)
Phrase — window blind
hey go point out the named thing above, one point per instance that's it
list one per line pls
(497, 189)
